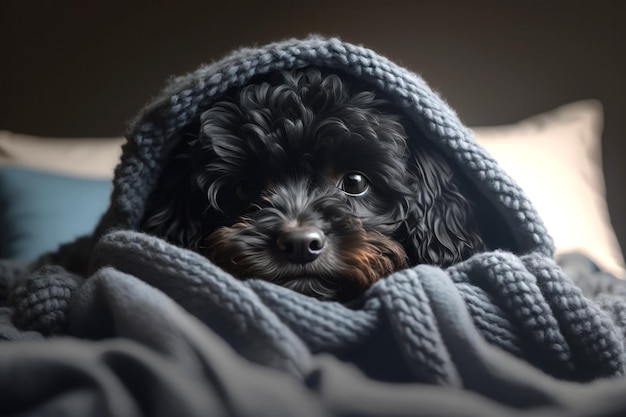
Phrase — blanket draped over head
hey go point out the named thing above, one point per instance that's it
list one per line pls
(123, 323)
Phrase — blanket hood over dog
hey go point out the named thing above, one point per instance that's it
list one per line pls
(158, 128)
(507, 325)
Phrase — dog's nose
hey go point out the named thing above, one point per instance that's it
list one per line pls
(301, 244)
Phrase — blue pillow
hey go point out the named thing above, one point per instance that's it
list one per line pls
(40, 210)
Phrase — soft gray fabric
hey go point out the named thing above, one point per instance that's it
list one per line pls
(153, 329)
(136, 351)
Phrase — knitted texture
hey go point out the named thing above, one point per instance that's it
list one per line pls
(39, 303)
(528, 307)
(523, 305)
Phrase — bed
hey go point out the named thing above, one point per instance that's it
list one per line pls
(120, 363)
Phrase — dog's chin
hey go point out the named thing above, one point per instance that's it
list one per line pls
(313, 287)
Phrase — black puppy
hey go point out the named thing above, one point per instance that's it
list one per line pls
(307, 179)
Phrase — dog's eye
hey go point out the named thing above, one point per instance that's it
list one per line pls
(247, 190)
(354, 184)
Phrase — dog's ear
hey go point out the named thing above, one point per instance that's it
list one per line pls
(440, 228)
(174, 209)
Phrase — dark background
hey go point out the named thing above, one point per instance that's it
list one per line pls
(84, 68)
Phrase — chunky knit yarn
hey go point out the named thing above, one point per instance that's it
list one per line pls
(525, 305)
(40, 303)
(415, 325)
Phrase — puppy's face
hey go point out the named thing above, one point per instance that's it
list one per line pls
(306, 180)
(309, 180)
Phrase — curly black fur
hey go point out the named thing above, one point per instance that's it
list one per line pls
(286, 154)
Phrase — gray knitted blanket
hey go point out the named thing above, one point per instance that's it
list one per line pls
(169, 333)
(123, 323)
(524, 305)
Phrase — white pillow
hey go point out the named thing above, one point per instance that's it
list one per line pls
(556, 158)
(85, 157)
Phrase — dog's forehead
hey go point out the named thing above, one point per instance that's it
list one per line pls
(285, 157)
(307, 123)
(322, 156)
